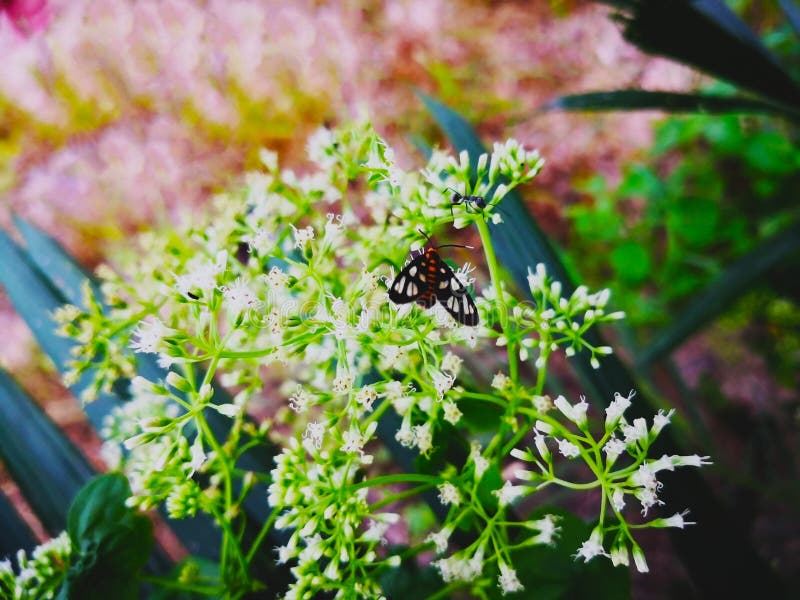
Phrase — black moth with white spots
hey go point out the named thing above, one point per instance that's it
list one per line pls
(426, 279)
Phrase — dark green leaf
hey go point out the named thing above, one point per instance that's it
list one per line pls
(111, 542)
(195, 571)
(734, 282)
(16, 533)
(481, 416)
(552, 572)
(409, 580)
(46, 466)
(671, 102)
(61, 270)
(35, 298)
(707, 35)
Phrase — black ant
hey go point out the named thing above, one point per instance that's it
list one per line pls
(478, 203)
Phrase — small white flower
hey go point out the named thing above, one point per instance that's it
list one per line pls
(405, 435)
(542, 403)
(300, 400)
(449, 494)
(541, 446)
(197, 456)
(481, 462)
(618, 499)
(575, 413)
(660, 421)
(452, 363)
(619, 555)
(613, 448)
(314, 433)
(693, 460)
(676, 520)
(508, 493)
(423, 437)
(451, 413)
(302, 236)
(647, 497)
(239, 297)
(639, 560)
(500, 381)
(376, 531)
(617, 408)
(507, 580)
(440, 539)
(202, 276)
(547, 528)
(592, 547)
(149, 335)
(321, 147)
(276, 278)
(365, 396)
(636, 432)
(568, 449)
(342, 384)
(229, 410)
(442, 382)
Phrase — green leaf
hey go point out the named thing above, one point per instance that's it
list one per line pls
(631, 262)
(707, 35)
(409, 580)
(552, 572)
(670, 102)
(35, 298)
(16, 533)
(192, 570)
(734, 282)
(61, 270)
(481, 416)
(111, 542)
(48, 469)
(694, 220)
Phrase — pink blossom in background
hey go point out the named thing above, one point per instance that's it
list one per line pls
(26, 16)
(125, 113)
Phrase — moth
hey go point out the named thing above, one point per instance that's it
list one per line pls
(426, 279)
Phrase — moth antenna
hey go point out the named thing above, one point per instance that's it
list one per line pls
(456, 246)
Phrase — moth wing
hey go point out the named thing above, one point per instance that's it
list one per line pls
(407, 286)
(455, 298)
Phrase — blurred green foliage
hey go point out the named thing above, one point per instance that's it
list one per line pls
(708, 191)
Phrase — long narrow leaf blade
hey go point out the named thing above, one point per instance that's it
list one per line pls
(48, 469)
(16, 533)
(61, 270)
(733, 283)
(707, 35)
(671, 102)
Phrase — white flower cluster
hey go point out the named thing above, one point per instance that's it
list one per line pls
(634, 477)
(39, 575)
(332, 523)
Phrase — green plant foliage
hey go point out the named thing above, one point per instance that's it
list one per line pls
(111, 542)
(712, 191)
